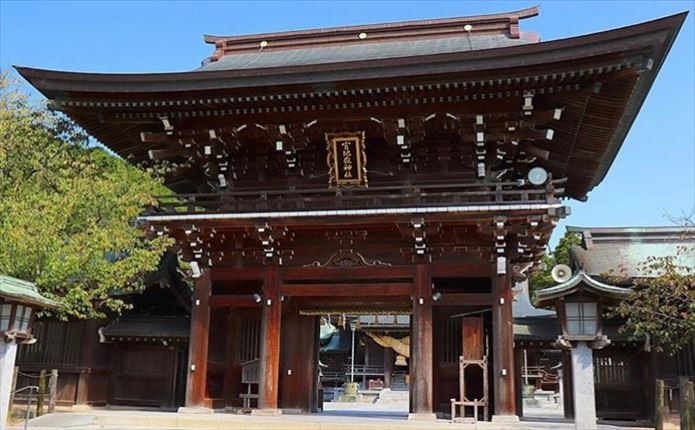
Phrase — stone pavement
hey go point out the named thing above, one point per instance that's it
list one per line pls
(336, 417)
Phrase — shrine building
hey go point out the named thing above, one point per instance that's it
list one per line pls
(414, 168)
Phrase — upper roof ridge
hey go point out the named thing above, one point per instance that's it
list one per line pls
(501, 23)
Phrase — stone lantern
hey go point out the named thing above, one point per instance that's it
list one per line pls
(18, 302)
(579, 302)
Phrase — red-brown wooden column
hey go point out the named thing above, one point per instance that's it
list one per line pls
(421, 369)
(198, 343)
(503, 343)
(270, 341)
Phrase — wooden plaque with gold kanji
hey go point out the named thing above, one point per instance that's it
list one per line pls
(347, 160)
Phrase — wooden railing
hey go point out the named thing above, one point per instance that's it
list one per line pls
(541, 377)
(360, 370)
(505, 193)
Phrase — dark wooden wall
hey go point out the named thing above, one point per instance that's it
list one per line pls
(94, 373)
(146, 375)
(623, 383)
(682, 363)
(217, 350)
(298, 357)
(73, 348)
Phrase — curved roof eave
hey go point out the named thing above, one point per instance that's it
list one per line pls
(54, 83)
(545, 296)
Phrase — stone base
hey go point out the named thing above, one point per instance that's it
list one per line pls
(266, 412)
(422, 417)
(505, 419)
(80, 408)
(194, 410)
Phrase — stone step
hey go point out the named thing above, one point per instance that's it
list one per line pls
(390, 395)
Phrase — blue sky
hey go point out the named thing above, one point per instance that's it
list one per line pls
(652, 177)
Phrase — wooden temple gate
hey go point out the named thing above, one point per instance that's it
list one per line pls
(288, 340)
(363, 171)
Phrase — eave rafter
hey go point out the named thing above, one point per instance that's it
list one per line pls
(355, 97)
(518, 238)
(394, 108)
(501, 140)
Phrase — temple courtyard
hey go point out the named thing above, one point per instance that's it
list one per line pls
(336, 416)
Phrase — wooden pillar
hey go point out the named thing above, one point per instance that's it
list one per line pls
(503, 345)
(270, 341)
(518, 380)
(198, 343)
(388, 367)
(421, 369)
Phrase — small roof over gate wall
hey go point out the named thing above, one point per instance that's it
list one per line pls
(24, 292)
(142, 329)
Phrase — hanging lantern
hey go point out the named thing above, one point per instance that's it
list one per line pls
(400, 361)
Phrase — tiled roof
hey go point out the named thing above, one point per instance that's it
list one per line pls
(622, 250)
(522, 306)
(361, 52)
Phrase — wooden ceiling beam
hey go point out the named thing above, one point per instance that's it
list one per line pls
(348, 290)
(233, 301)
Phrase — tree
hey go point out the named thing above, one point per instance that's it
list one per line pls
(560, 255)
(67, 212)
(661, 305)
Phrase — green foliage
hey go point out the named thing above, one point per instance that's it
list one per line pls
(67, 212)
(661, 306)
(561, 255)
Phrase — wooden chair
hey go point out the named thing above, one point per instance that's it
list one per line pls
(465, 401)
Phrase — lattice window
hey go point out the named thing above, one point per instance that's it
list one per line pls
(612, 370)
(582, 318)
(248, 341)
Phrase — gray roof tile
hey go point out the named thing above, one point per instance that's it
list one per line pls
(364, 51)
